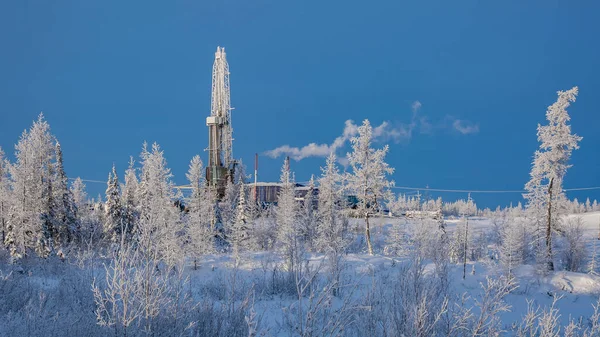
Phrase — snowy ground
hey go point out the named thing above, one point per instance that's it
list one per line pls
(53, 298)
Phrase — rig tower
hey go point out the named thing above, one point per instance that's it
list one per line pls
(221, 165)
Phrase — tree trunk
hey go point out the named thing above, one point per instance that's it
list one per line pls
(368, 233)
(466, 247)
(550, 263)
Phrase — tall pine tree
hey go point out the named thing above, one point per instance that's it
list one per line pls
(65, 209)
(114, 224)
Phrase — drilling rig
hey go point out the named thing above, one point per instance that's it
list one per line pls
(221, 166)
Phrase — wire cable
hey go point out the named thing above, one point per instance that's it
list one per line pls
(449, 190)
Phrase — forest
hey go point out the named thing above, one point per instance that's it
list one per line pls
(148, 259)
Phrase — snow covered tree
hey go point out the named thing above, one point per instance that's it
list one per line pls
(264, 228)
(114, 225)
(545, 196)
(80, 197)
(226, 215)
(160, 229)
(397, 204)
(308, 216)
(514, 238)
(573, 248)
(200, 213)
(130, 198)
(46, 241)
(368, 180)
(332, 226)
(4, 195)
(592, 266)
(30, 180)
(86, 227)
(239, 234)
(65, 208)
(286, 214)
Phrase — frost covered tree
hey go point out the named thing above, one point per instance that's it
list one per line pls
(114, 224)
(308, 216)
(286, 214)
(4, 195)
(240, 233)
(332, 226)
(88, 228)
(514, 238)
(226, 215)
(80, 198)
(368, 179)
(30, 180)
(65, 208)
(130, 198)
(545, 196)
(573, 248)
(200, 212)
(160, 228)
(593, 262)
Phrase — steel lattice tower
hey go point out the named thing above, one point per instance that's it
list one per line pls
(220, 142)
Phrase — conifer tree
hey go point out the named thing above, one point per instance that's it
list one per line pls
(286, 214)
(332, 231)
(130, 198)
(227, 211)
(82, 205)
(114, 224)
(30, 180)
(65, 208)
(308, 216)
(200, 213)
(239, 231)
(160, 229)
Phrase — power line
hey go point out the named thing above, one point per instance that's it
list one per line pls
(486, 191)
(415, 188)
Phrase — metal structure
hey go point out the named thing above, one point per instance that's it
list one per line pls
(221, 165)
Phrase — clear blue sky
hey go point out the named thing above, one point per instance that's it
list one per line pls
(110, 74)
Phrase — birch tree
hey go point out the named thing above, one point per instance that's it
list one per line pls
(545, 196)
(368, 179)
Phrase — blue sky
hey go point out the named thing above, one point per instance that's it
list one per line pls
(109, 75)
